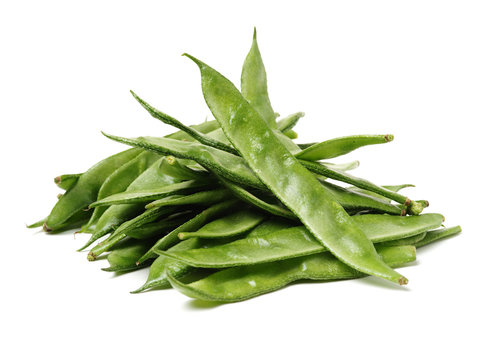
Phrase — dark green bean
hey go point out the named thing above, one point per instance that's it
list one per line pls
(86, 189)
(197, 135)
(145, 195)
(155, 176)
(285, 177)
(119, 234)
(207, 197)
(193, 224)
(244, 282)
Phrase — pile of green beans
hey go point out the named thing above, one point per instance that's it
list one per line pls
(233, 208)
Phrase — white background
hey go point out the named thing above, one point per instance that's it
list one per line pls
(425, 71)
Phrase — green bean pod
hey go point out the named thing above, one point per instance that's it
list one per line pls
(285, 177)
(287, 123)
(244, 282)
(253, 84)
(297, 241)
(191, 225)
(231, 225)
(436, 235)
(340, 146)
(86, 189)
(207, 197)
(119, 234)
(162, 265)
(125, 255)
(66, 181)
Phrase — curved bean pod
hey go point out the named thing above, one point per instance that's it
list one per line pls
(119, 234)
(341, 146)
(86, 189)
(193, 224)
(244, 282)
(297, 241)
(162, 265)
(287, 123)
(230, 225)
(145, 195)
(436, 235)
(285, 177)
(207, 197)
(253, 84)
(66, 181)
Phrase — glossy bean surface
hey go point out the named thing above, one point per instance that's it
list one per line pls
(284, 175)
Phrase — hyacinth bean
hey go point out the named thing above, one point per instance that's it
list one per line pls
(85, 191)
(206, 197)
(119, 234)
(125, 255)
(141, 196)
(162, 265)
(66, 181)
(297, 241)
(244, 282)
(230, 225)
(341, 146)
(436, 235)
(158, 228)
(191, 225)
(285, 177)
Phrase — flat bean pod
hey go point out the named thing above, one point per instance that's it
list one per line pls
(162, 265)
(206, 197)
(191, 225)
(86, 189)
(285, 177)
(340, 146)
(297, 241)
(66, 181)
(119, 234)
(230, 225)
(244, 282)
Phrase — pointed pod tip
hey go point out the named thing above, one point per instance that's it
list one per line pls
(91, 256)
(194, 59)
(389, 137)
(402, 280)
(57, 180)
(254, 34)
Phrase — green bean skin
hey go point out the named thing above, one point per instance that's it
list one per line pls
(192, 132)
(66, 181)
(340, 146)
(207, 197)
(410, 240)
(291, 134)
(191, 225)
(85, 191)
(36, 224)
(249, 198)
(118, 182)
(125, 255)
(155, 176)
(230, 225)
(119, 234)
(145, 195)
(158, 228)
(297, 241)
(253, 84)
(287, 123)
(436, 235)
(342, 167)
(284, 175)
(162, 265)
(244, 282)
(395, 188)
(353, 180)
(354, 201)
(219, 162)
